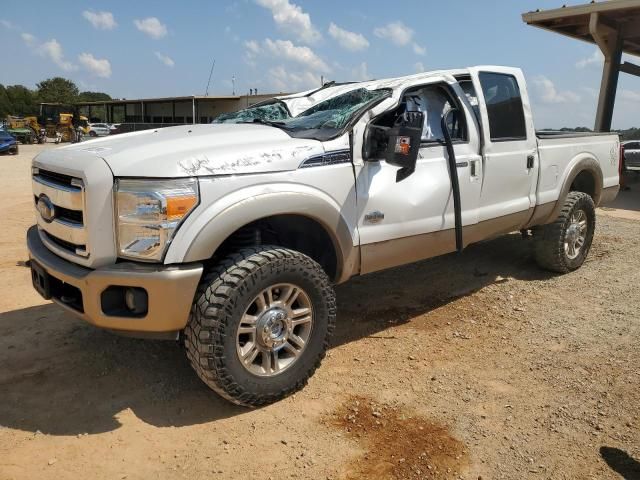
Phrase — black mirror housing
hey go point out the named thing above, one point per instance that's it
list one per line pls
(404, 143)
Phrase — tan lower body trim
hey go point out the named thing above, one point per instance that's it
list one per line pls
(401, 251)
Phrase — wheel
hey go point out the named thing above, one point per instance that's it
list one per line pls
(563, 245)
(93, 134)
(260, 324)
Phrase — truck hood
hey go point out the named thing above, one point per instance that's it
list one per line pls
(196, 150)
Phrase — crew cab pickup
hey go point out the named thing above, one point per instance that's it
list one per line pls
(230, 237)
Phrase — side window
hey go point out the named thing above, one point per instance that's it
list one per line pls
(504, 106)
(433, 102)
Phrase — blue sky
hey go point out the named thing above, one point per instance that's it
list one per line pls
(133, 49)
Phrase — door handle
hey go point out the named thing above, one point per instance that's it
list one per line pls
(530, 161)
(475, 168)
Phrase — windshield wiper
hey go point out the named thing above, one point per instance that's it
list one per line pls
(266, 122)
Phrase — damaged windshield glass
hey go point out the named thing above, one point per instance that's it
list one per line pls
(326, 119)
(275, 110)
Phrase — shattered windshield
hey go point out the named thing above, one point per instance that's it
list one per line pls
(275, 110)
(326, 119)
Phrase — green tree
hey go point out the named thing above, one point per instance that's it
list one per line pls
(57, 90)
(22, 100)
(93, 97)
(5, 103)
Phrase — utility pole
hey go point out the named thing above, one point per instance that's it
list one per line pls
(206, 92)
(233, 84)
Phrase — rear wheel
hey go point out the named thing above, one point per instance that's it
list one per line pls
(260, 324)
(563, 245)
(93, 134)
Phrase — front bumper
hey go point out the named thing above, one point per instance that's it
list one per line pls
(170, 290)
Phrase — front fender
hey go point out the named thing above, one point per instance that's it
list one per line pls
(200, 238)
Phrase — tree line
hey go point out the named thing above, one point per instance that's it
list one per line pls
(22, 101)
(628, 134)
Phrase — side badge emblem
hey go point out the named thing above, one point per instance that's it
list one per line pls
(374, 217)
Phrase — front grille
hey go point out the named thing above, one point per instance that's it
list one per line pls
(68, 246)
(73, 216)
(66, 231)
(54, 177)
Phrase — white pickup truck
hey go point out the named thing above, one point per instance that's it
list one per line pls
(230, 236)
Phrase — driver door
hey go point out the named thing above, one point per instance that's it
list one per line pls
(406, 221)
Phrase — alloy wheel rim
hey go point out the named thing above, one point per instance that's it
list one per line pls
(274, 330)
(576, 234)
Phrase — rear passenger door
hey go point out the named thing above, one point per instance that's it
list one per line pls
(510, 153)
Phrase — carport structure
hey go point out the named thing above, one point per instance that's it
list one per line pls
(614, 26)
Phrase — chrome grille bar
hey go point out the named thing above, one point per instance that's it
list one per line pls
(64, 192)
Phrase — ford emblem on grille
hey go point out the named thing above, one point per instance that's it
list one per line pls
(46, 208)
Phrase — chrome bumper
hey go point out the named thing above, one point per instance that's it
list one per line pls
(170, 289)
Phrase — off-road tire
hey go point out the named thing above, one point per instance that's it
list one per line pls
(224, 293)
(549, 239)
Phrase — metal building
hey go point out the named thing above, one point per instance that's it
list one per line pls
(144, 113)
(614, 26)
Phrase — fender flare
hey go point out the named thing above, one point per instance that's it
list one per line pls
(580, 165)
(255, 206)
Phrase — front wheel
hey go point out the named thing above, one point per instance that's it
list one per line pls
(563, 245)
(260, 324)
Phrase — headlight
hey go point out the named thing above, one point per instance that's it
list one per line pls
(149, 213)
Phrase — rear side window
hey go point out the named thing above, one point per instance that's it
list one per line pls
(504, 106)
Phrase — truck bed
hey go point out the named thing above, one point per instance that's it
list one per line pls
(560, 151)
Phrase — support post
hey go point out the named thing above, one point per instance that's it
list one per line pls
(610, 43)
(193, 110)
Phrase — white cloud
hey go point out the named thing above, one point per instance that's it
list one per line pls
(168, 61)
(285, 80)
(29, 40)
(397, 32)
(290, 18)
(595, 59)
(100, 67)
(7, 24)
(350, 40)
(419, 49)
(304, 56)
(53, 50)
(100, 20)
(152, 27)
(630, 95)
(549, 94)
(252, 51)
(252, 47)
(419, 67)
(361, 72)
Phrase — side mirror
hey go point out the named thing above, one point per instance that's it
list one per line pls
(404, 143)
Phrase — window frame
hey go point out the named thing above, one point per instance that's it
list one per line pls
(453, 100)
(486, 106)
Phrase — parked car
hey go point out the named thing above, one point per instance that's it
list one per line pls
(230, 237)
(632, 154)
(99, 129)
(114, 128)
(8, 143)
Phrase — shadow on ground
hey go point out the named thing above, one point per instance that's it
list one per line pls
(620, 462)
(63, 377)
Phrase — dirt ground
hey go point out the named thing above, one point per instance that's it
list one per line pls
(468, 366)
